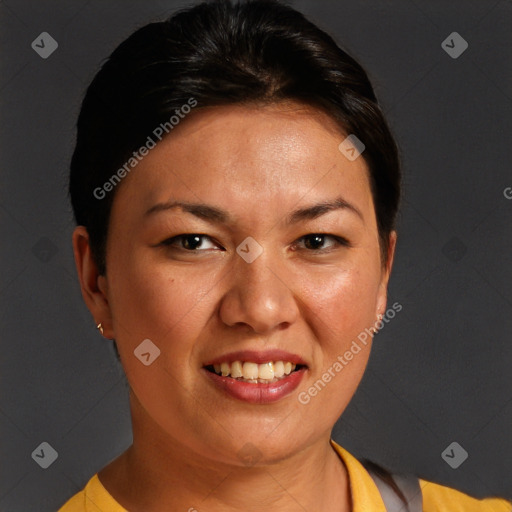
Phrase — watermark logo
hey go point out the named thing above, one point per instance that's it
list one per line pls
(45, 455)
(44, 45)
(454, 455)
(249, 454)
(249, 249)
(454, 249)
(147, 352)
(508, 193)
(454, 45)
(137, 156)
(351, 147)
(44, 249)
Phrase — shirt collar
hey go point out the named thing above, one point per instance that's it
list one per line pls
(365, 496)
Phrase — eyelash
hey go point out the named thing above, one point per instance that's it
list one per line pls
(339, 241)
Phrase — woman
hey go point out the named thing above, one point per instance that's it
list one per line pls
(235, 187)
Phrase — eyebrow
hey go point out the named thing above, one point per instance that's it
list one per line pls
(219, 216)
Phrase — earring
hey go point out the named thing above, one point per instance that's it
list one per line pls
(100, 327)
(379, 319)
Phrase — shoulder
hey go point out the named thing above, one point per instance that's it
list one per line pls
(93, 498)
(75, 504)
(435, 497)
(438, 498)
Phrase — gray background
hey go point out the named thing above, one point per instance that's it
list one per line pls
(439, 372)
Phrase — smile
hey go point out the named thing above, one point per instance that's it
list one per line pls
(254, 373)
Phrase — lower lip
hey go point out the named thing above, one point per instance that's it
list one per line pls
(257, 393)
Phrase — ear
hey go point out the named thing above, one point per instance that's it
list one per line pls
(386, 272)
(93, 285)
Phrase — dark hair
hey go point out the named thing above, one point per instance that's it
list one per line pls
(222, 53)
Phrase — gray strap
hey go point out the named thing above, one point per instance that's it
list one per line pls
(410, 487)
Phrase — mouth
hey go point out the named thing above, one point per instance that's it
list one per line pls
(256, 377)
(255, 373)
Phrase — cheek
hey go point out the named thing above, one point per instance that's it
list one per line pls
(341, 305)
(149, 301)
(341, 310)
(152, 301)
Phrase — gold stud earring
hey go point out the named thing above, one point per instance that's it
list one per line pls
(379, 319)
(100, 327)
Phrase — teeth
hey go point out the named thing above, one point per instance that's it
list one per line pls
(266, 371)
(278, 369)
(224, 368)
(236, 369)
(253, 372)
(250, 371)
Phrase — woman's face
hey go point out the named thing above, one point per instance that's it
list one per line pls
(257, 280)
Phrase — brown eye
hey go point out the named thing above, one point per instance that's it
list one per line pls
(190, 242)
(316, 241)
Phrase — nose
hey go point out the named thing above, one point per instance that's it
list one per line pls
(259, 296)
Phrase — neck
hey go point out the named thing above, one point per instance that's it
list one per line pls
(158, 473)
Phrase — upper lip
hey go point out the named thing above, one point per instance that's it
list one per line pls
(257, 356)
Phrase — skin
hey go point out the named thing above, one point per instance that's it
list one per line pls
(259, 164)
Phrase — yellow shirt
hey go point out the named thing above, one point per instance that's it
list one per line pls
(365, 495)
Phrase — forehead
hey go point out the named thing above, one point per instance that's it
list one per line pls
(274, 154)
(271, 137)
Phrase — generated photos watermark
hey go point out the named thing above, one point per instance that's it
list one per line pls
(158, 133)
(343, 360)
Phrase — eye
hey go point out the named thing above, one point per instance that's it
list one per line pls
(316, 241)
(313, 242)
(190, 242)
